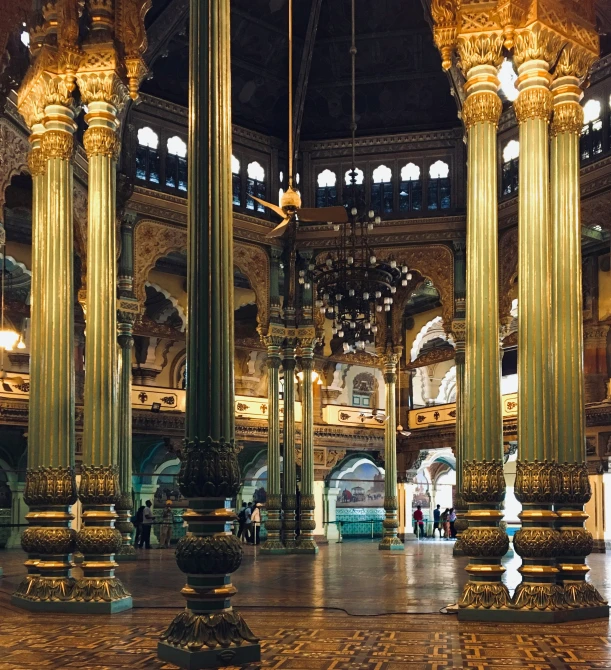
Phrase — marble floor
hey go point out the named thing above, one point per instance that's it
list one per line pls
(348, 608)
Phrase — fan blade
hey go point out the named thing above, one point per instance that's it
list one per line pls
(322, 214)
(279, 211)
(279, 230)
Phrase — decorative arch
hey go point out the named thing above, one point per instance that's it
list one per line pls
(177, 368)
(173, 301)
(14, 161)
(155, 240)
(447, 388)
(508, 271)
(430, 331)
(349, 464)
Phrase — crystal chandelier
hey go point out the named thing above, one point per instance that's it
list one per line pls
(352, 285)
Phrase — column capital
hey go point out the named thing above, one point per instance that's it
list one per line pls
(535, 100)
(480, 49)
(568, 113)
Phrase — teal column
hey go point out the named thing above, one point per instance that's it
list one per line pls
(208, 632)
(289, 491)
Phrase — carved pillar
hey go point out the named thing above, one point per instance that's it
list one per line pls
(595, 362)
(574, 484)
(390, 541)
(273, 543)
(209, 633)
(306, 543)
(50, 488)
(99, 540)
(289, 493)
(461, 524)
(128, 308)
(483, 482)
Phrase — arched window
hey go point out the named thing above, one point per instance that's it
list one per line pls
(410, 189)
(255, 185)
(354, 193)
(591, 143)
(236, 181)
(439, 186)
(381, 190)
(147, 155)
(176, 164)
(510, 169)
(326, 189)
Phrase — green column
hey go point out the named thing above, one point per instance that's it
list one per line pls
(99, 590)
(127, 313)
(50, 488)
(289, 492)
(483, 481)
(461, 524)
(537, 542)
(273, 544)
(569, 421)
(390, 541)
(306, 543)
(209, 633)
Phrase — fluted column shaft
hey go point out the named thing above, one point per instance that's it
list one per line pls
(289, 493)
(306, 542)
(536, 473)
(210, 475)
(50, 489)
(569, 421)
(390, 541)
(461, 419)
(273, 544)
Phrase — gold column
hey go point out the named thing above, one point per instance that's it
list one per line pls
(273, 543)
(289, 493)
(390, 541)
(483, 482)
(99, 590)
(574, 485)
(50, 488)
(537, 542)
(306, 543)
(461, 524)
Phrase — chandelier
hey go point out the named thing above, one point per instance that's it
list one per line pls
(352, 285)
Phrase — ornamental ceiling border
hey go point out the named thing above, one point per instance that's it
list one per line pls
(154, 240)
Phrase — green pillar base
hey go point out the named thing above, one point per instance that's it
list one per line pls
(209, 658)
(391, 544)
(305, 547)
(73, 606)
(533, 616)
(272, 547)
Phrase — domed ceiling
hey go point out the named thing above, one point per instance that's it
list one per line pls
(400, 83)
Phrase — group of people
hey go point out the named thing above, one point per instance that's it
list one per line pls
(442, 521)
(143, 521)
(249, 523)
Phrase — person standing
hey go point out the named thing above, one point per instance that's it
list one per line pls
(446, 523)
(248, 528)
(419, 522)
(147, 524)
(167, 521)
(256, 523)
(452, 520)
(437, 520)
(242, 523)
(138, 518)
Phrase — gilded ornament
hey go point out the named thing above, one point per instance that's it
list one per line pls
(50, 486)
(391, 503)
(568, 118)
(45, 589)
(575, 542)
(36, 162)
(534, 103)
(536, 482)
(99, 141)
(307, 502)
(482, 107)
(98, 540)
(538, 596)
(573, 484)
(445, 29)
(57, 144)
(576, 60)
(99, 485)
(480, 49)
(485, 542)
(48, 541)
(274, 501)
(537, 43)
(510, 14)
(537, 542)
(195, 631)
(209, 469)
(582, 594)
(94, 589)
(208, 555)
(387, 523)
(483, 482)
(307, 524)
(484, 595)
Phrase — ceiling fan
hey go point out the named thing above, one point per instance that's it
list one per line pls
(290, 208)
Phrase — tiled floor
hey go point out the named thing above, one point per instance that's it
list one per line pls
(296, 633)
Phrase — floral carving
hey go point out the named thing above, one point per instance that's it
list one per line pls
(208, 555)
(13, 157)
(209, 468)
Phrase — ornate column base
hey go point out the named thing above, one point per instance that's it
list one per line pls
(273, 543)
(305, 542)
(208, 633)
(289, 523)
(390, 541)
(49, 540)
(484, 597)
(99, 591)
(127, 551)
(461, 524)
